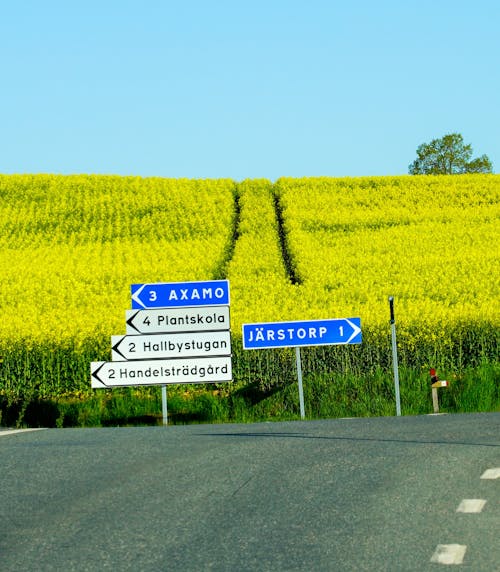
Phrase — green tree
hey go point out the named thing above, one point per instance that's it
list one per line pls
(448, 156)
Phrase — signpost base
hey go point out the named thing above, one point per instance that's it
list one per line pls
(164, 404)
(435, 402)
(435, 383)
(299, 379)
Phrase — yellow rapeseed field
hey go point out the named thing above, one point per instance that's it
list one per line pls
(298, 249)
(431, 242)
(70, 247)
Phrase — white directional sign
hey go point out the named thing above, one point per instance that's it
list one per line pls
(160, 372)
(440, 383)
(176, 332)
(167, 346)
(190, 319)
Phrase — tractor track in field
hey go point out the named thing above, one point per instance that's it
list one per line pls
(222, 267)
(286, 254)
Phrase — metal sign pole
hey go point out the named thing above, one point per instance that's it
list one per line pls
(395, 357)
(299, 379)
(164, 404)
(435, 400)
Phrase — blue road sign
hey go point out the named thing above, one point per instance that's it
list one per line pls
(301, 333)
(178, 294)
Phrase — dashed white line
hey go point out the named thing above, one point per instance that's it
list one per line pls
(449, 554)
(471, 505)
(491, 474)
(12, 431)
(454, 553)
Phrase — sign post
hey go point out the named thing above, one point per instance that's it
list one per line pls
(177, 332)
(296, 334)
(395, 356)
(299, 380)
(435, 383)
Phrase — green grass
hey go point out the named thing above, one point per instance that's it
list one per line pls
(326, 395)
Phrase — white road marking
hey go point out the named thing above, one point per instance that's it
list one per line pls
(471, 505)
(491, 474)
(12, 431)
(449, 554)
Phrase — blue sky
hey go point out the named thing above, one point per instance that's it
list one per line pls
(244, 89)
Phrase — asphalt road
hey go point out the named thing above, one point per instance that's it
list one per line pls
(347, 494)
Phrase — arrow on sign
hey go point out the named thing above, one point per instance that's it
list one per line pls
(356, 330)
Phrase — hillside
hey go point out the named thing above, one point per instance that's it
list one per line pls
(297, 249)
